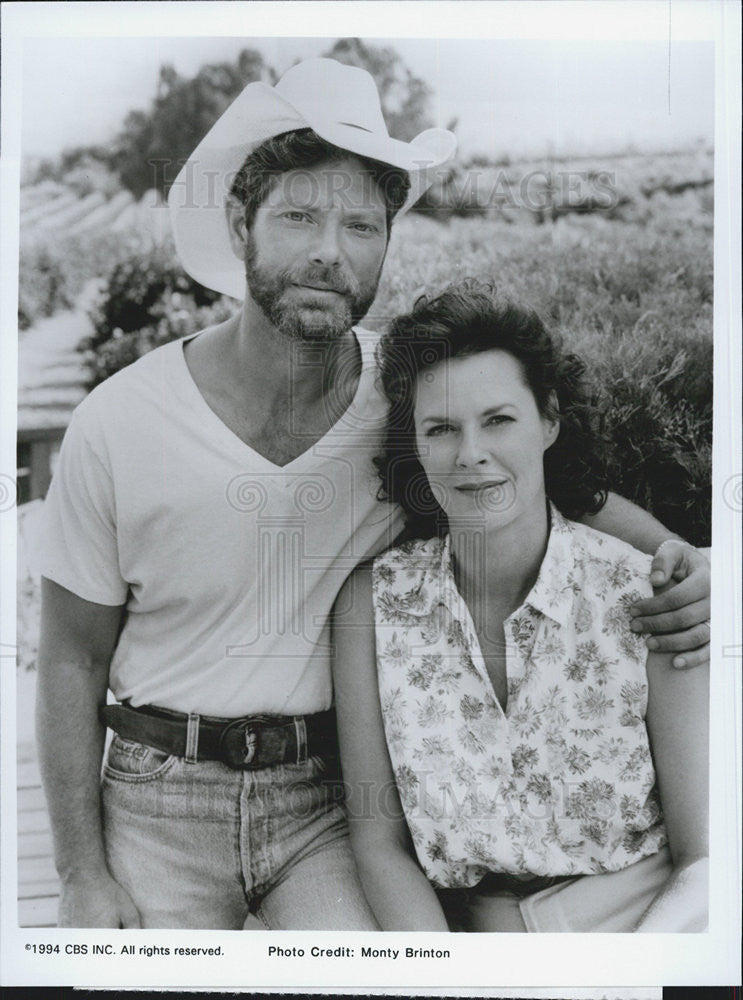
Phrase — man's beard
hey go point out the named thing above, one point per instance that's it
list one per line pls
(308, 321)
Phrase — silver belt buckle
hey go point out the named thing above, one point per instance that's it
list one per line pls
(240, 743)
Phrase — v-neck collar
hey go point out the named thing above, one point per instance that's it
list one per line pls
(236, 443)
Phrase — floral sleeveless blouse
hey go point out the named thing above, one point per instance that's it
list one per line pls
(562, 782)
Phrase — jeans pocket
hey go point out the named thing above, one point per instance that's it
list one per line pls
(131, 761)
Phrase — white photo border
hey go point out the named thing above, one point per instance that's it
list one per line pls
(517, 961)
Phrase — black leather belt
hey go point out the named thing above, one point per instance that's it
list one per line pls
(246, 743)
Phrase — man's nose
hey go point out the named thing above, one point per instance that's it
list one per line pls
(326, 247)
(470, 451)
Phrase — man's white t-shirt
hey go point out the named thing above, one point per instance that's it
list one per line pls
(228, 564)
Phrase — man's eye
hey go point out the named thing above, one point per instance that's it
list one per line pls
(364, 227)
(296, 216)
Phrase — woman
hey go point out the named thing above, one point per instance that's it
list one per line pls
(496, 712)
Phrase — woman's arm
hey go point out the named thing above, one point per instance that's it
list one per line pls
(398, 892)
(677, 617)
(678, 724)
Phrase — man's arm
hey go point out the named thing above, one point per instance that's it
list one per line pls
(624, 519)
(677, 620)
(77, 641)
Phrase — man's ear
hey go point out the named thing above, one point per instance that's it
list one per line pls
(551, 420)
(236, 226)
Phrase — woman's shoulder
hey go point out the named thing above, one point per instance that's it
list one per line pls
(404, 562)
(603, 578)
(411, 556)
(407, 578)
(602, 556)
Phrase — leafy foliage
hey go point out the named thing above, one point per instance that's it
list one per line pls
(53, 270)
(84, 169)
(118, 352)
(44, 285)
(143, 288)
(154, 144)
(404, 96)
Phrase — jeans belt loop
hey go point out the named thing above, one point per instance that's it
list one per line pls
(192, 739)
(301, 727)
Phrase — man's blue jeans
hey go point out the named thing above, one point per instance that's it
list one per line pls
(203, 845)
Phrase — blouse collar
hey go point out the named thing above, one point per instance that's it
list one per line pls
(552, 594)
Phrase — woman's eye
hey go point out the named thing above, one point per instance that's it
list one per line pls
(437, 430)
(498, 418)
(364, 228)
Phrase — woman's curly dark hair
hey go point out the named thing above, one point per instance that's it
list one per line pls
(467, 319)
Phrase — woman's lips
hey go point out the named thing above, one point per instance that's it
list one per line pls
(489, 484)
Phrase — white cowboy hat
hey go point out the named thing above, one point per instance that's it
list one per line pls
(340, 103)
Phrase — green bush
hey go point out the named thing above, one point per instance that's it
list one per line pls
(45, 284)
(141, 289)
(53, 271)
(118, 352)
(661, 438)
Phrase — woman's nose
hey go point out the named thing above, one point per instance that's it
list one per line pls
(470, 452)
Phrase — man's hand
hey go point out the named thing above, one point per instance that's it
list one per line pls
(677, 620)
(90, 901)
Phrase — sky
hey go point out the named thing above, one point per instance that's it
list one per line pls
(510, 96)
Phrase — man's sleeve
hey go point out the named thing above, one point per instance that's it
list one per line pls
(80, 550)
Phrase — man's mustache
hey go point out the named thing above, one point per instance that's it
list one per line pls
(326, 277)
